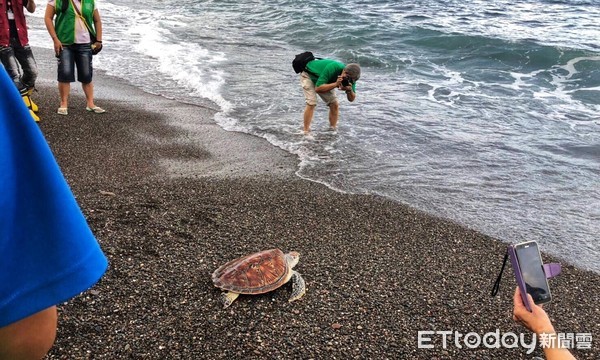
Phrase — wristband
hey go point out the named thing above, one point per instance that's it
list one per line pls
(99, 41)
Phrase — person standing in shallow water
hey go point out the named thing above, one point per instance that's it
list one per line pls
(322, 77)
(74, 47)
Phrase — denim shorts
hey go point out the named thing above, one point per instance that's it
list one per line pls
(79, 55)
(310, 94)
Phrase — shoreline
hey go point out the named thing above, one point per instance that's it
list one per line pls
(169, 202)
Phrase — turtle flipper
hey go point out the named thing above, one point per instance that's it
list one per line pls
(298, 286)
(228, 297)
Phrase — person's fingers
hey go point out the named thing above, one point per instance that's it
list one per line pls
(530, 300)
(533, 304)
(518, 302)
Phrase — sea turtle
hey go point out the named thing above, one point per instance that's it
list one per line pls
(259, 273)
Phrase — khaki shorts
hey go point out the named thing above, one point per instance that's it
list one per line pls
(311, 95)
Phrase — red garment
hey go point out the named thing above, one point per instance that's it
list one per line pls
(17, 8)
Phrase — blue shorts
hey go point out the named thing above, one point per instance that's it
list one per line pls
(79, 55)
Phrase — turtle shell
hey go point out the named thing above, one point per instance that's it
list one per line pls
(256, 273)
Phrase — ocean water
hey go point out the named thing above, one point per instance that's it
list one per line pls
(486, 112)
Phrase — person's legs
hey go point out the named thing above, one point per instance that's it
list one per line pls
(30, 72)
(25, 58)
(9, 60)
(83, 60)
(66, 75)
(309, 112)
(333, 114)
(63, 89)
(310, 95)
(88, 90)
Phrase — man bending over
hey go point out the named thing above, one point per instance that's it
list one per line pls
(323, 77)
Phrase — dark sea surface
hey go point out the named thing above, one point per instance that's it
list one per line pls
(484, 112)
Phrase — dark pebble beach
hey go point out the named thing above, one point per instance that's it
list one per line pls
(171, 196)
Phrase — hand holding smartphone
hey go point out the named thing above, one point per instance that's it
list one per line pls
(529, 273)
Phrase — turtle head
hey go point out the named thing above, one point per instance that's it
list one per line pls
(292, 258)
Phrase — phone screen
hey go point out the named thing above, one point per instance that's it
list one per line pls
(532, 270)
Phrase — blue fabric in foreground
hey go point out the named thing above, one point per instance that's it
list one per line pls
(48, 253)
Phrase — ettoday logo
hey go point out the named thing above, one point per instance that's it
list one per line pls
(508, 340)
(472, 340)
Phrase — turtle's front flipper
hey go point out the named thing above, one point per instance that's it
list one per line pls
(228, 297)
(298, 286)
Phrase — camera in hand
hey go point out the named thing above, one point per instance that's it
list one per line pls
(346, 81)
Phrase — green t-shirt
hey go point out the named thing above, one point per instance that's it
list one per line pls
(325, 71)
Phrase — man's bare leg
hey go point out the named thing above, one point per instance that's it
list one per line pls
(333, 115)
(309, 112)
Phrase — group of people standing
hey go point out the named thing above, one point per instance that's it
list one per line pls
(76, 30)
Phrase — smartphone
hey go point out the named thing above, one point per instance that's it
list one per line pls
(531, 269)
